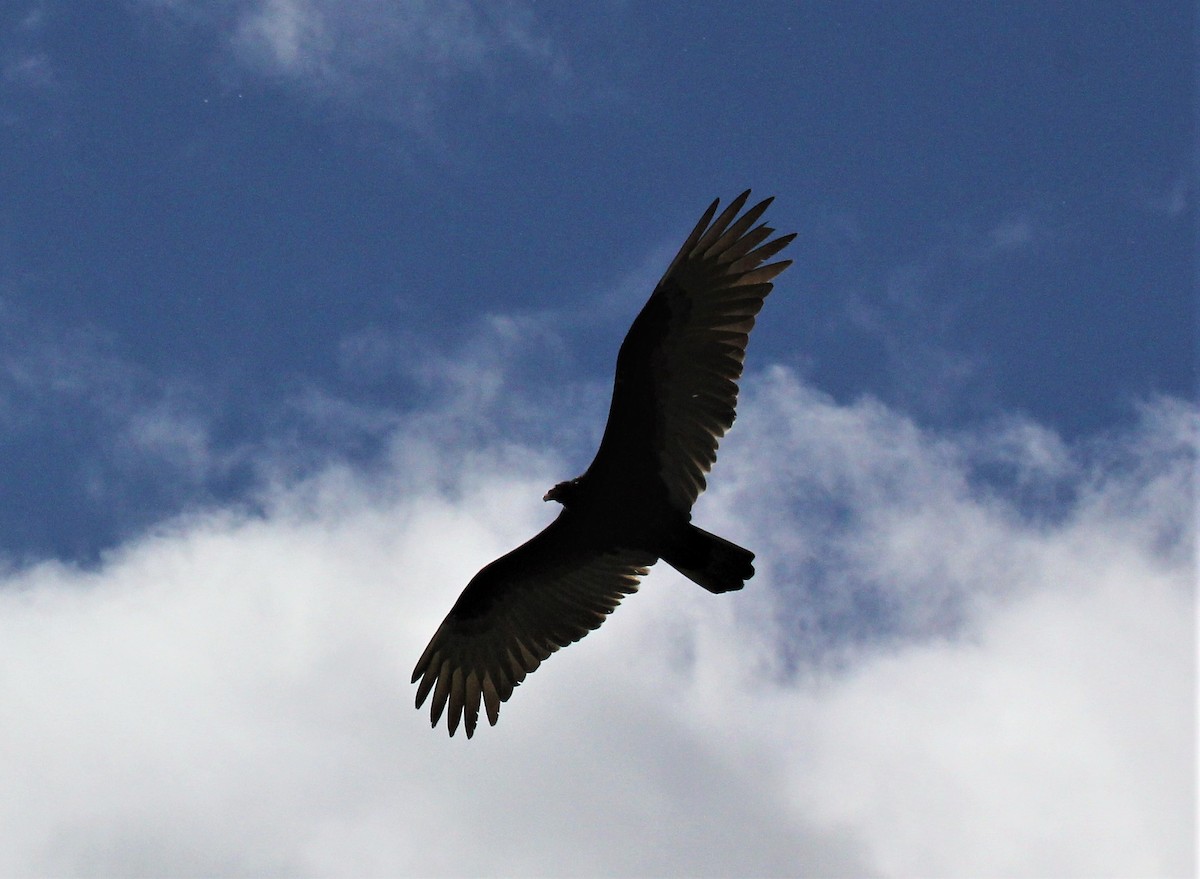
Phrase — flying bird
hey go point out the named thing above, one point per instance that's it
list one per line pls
(673, 399)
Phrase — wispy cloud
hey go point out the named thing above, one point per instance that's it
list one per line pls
(25, 64)
(922, 680)
(132, 443)
(138, 445)
(921, 314)
(1171, 198)
(389, 59)
(28, 73)
(32, 71)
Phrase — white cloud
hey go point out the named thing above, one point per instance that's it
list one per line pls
(922, 680)
(289, 35)
(392, 59)
(177, 439)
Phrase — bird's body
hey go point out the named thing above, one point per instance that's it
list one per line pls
(673, 398)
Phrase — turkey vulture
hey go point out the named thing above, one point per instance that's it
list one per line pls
(673, 399)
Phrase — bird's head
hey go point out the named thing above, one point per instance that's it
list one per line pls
(564, 492)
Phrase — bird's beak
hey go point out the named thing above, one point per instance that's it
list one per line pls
(547, 497)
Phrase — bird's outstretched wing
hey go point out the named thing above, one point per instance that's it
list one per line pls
(677, 371)
(545, 594)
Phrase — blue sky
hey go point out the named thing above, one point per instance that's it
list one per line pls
(323, 296)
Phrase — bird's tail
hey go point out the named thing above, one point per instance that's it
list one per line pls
(711, 561)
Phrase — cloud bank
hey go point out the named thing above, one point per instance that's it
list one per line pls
(932, 673)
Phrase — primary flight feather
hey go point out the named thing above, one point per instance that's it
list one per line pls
(673, 399)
